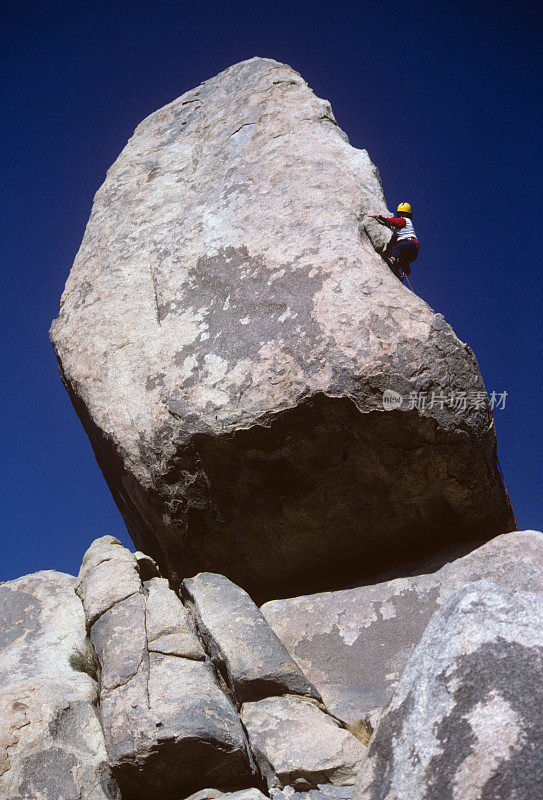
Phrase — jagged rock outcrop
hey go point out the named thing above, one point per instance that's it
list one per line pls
(189, 689)
(354, 644)
(226, 335)
(51, 742)
(296, 742)
(466, 720)
(169, 727)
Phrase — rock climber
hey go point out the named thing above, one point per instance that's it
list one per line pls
(403, 247)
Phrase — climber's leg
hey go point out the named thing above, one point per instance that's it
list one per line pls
(394, 265)
(404, 253)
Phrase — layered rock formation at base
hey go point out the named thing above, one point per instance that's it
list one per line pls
(169, 726)
(198, 696)
(190, 690)
(226, 335)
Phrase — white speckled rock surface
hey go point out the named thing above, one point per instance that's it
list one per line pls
(226, 334)
(354, 644)
(466, 721)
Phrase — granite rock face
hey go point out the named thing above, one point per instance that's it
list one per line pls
(51, 742)
(254, 662)
(199, 691)
(322, 792)
(466, 720)
(226, 335)
(215, 794)
(354, 644)
(169, 626)
(170, 728)
(298, 744)
(109, 573)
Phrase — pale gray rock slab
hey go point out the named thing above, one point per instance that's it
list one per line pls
(243, 794)
(109, 573)
(297, 744)
(466, 720)
(244, 647)
(323, 792)
(170, 629)
(354, 644)
(51, 742)
(226, 334)
(128, 723)
(205, 794)
(171, 729)
(102, 549)
(203, 711)
(120, 641)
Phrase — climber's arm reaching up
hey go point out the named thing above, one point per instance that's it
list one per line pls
(390, 222)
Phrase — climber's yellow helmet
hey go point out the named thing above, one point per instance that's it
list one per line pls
(404, 208)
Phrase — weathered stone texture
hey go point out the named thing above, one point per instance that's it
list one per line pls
(354, 644)
(171, 730)
(109, 573)
(299, 745)
(169, 727)
(322, 792)
(226, 334)
(466, 720)
(51, 742)
(170, 629)
(215, 794)
(248, 653)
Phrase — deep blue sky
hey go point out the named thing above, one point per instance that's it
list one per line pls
(445, 97)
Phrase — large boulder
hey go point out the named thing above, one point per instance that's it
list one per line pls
(466, 720)
(51, 742)
(226, 335)
(354, 644)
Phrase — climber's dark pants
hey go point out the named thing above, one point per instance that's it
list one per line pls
(404, 252)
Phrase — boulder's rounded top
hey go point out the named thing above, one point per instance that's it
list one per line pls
(224, 274)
